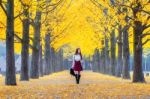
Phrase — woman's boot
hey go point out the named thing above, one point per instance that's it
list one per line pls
(78, 80)
(76, 76)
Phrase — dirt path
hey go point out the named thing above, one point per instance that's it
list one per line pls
(62, 86)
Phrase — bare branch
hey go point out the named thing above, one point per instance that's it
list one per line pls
(130, 18)
(22, 3)
(51, 9)
(96, 4)
(146, 26)
(120, 4)
(2, 6)
(18, 15)
(145, 41)
(47, 11)
(31, 38)
(32, 21)
(125, 28)
(15, 41)
(65, 28)
(3, 24)
(20, 40)
(146, 34)
(3, 39)
(146, 12)
(50, 4)
(58, 10)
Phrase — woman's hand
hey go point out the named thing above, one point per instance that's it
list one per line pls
(72, 66)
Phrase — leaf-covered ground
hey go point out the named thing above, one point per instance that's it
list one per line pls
(62, 86)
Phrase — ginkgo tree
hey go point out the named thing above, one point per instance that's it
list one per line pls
(13, 34)
(104, 28)
(135, 15)
(10, 64)
(139, 10)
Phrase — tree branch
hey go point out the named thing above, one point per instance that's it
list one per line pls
(3, 24)
(18, 15)
(146, 34)
(51, 9)
(125, 28)
(146, 26)
(146, 12)
(64, 29)
(2, 39)
(4, 9)
(31, 21)
(94, 2)
(31, 38)
(20, 40)
(124, 5)
(130, 18)
(145, 41)
(56, 4)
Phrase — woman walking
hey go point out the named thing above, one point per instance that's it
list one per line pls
(76, 64)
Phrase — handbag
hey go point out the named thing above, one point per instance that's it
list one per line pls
(72, 72)
(71, 69)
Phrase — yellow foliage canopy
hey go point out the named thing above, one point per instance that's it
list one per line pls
(76, 23)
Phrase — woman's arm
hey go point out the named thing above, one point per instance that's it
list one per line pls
(81, 60)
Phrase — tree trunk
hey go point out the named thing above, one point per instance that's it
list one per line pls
(35, 56)
(93, 62)
(25, 47)
(126, 56)
(10, 60)
(97, 60)
(65, 63)
(107, 60)
(95, 67)
(113, 53)
(138, 75)
(36, 44)
(56, 59)
(103, 60)
(52, 59)
(61, 60)
(41, 69)
(47, 53)
(119, 61)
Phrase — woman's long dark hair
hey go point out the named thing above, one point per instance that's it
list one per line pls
(78, 52)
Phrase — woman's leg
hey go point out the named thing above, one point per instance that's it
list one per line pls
(78, 77)
(78, 72)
